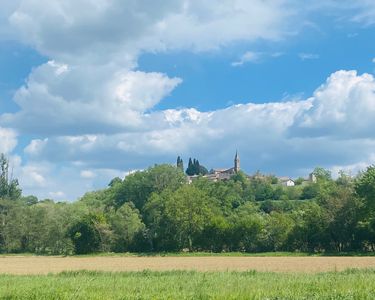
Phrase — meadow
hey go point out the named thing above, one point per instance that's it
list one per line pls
(350, 284)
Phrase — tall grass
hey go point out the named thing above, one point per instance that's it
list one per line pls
(351, 284)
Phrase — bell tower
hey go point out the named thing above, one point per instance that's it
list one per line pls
(237, 163)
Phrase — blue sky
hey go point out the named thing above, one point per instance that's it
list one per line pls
(88, 96)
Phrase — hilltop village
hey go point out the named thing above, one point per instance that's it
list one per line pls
(227, 173)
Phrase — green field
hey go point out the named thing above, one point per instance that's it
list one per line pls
(351, 284)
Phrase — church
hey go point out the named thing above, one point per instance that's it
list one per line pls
(221, 174)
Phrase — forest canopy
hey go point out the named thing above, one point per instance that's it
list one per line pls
(158, 210)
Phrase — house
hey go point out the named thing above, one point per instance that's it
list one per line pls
(286, 181)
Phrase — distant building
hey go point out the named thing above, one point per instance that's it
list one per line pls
(286, 181)
(312, 177)
(221, 174)
(227, 173)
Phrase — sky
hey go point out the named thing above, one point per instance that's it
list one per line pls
(94, 89)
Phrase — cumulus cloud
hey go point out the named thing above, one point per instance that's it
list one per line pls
(7, 8)
(86, 99)
(71, 29)
(67, 181)
(8, 138)
(90, 85)
(92, 112)
(343, 107)
(332, 128)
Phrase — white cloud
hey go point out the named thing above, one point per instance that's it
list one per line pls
(373, 60)
(141, 91)
(32, 175)
(308, 56)
(92, 111)
(87, 174)
(71, 29)
(90, 85)
(59, 195)
(353, 169)
(8, 138)
(343, 107)
(86, 99)
(60, 181)
(333, 128)
(255, 57)
(36, 146)
(365, 11)
(246, 58)
(7, 7)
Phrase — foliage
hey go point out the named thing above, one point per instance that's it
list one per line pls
(127, 225)
(157, 210)
(85, 233)
(365, 187)
(138, 187)
(195, 168)
(180, 164)
(9, 187)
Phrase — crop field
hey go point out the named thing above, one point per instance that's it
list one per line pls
(174, 277)
(34, 265)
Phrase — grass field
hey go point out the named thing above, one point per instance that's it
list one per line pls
(351, 284)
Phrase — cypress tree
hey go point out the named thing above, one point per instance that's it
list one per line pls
(180, 163)
(196, 167)
(190, 168)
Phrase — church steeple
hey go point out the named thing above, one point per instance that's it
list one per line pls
(237, 162)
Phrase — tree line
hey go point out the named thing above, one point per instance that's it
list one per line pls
(157, 210)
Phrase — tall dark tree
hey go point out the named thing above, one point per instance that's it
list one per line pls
(180, 163)
(194, 168)
(190, 168)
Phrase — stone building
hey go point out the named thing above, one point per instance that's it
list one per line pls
(221, 174)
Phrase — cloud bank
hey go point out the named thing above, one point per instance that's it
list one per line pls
(91, 111)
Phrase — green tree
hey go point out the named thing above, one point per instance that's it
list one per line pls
(247, 232)
(299, 181)
(262, 189)
(322, 174)
(278, 227)
(190, 169)
(182, 215)
(195, 168)
(114, 181)
(9, 187)
(310, 191)
(85, 233)
(138, 187)
(127, 225)
(365, 187)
